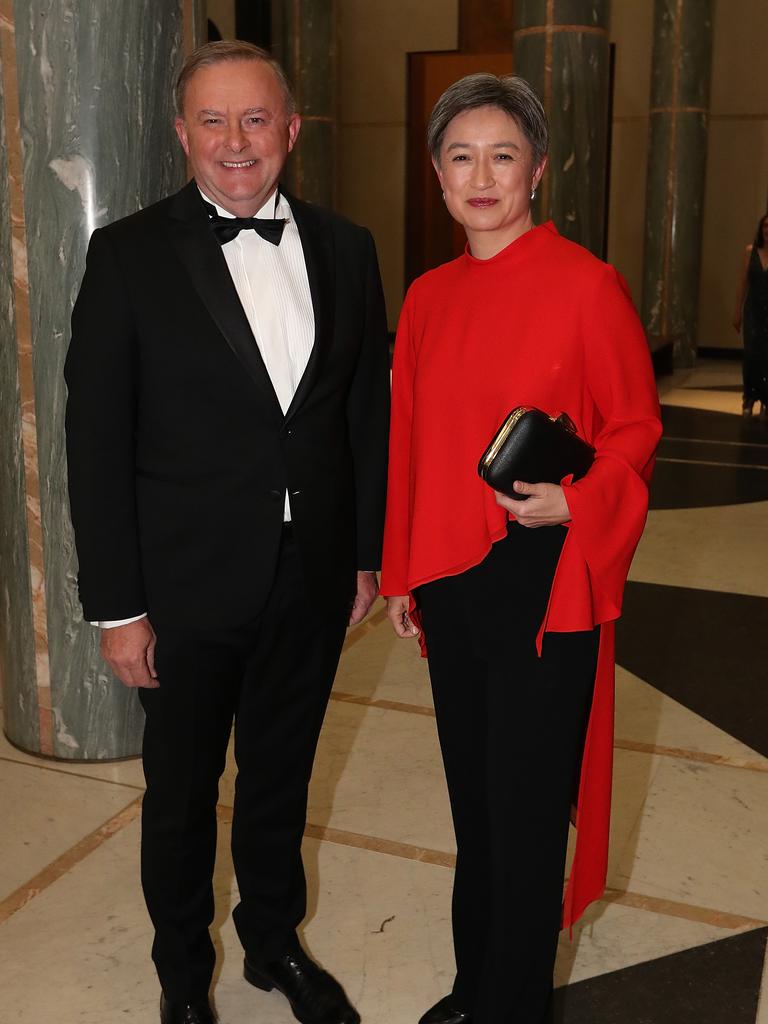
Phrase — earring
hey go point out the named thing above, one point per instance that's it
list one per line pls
(443, 196)
(533, 192)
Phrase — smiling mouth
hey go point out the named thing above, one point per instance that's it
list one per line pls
(238, 164)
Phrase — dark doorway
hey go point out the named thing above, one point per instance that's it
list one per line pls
(253, 22)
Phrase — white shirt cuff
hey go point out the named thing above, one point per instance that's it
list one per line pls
(111, 623)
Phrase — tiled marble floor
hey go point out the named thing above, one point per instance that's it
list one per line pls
(688, 862)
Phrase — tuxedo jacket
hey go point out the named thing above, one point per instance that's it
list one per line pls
(178, 452)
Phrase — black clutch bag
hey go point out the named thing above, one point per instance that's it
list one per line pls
(535, 448)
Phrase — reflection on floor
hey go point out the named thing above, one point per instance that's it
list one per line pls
(680, 936)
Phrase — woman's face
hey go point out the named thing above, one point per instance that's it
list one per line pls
(486, 171)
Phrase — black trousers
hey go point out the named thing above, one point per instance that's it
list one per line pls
(511, 729)
(272, 677)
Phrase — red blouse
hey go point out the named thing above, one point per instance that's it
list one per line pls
(543, 323)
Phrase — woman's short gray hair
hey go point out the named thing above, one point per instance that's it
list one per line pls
(509, 93)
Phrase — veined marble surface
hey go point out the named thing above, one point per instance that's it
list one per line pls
(680, 82)
(561, 48)
(305, 37)
(17, 643)
(95, 122)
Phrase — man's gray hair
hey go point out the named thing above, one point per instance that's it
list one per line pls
(509, 93)
(226, 50)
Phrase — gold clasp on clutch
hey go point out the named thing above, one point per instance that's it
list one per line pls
(503, 434)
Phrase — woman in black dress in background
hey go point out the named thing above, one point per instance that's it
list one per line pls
(752, 312)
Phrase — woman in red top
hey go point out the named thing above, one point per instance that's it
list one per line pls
(518, 620)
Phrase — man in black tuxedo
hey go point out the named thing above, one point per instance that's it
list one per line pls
(226, 437)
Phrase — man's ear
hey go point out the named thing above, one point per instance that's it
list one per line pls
(294, 126)
(181, 131)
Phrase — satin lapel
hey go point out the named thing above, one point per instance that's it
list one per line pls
(317, 243)
(203, 260)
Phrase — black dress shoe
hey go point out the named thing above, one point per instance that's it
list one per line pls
(446, 1012)
(315, 995)
(197, 1012)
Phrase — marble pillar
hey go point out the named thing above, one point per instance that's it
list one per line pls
(677, 156)
(86, 121)
(561, 48)
(304, 41)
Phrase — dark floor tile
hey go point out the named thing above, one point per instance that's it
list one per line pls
(680, 421)
(715, 451)
(692, 485)
(718, 983)
(706, 649)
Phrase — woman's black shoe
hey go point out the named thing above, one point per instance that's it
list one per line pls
(446, 1012)
(314, 994)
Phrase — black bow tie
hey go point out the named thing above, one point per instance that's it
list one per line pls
(227, 228)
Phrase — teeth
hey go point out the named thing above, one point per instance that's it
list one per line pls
(238, 163)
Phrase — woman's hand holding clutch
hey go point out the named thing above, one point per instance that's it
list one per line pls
(544, 506)
(397, 610)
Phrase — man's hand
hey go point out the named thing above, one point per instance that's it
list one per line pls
(130, 652)
(367, 592)
(546, 505)
(397, 610)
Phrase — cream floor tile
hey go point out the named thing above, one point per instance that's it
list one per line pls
(44, 814)
(672, 381)
(383, 667)
(126, 773)
(633, 776)
(712, 401)
(380, 923)
(645, 715)
(380, 773)
(700, 838)
(377, 772)
(711, 374)
(716, 548)
(610, 937)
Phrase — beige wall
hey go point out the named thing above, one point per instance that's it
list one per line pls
(737, 161)
(222, 13)
(632, 33)
(373, 41)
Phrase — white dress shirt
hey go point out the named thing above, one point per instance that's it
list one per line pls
(273, 287)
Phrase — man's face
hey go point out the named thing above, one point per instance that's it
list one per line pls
(236, 133)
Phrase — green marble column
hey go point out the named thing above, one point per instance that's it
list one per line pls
(86, 123)
(561, 48)
(304, 41)
(677, 156)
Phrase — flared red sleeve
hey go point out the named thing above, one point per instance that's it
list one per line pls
(608, 509)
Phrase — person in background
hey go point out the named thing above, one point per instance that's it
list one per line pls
(227, 428)
(752, 314)
(514, 599)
